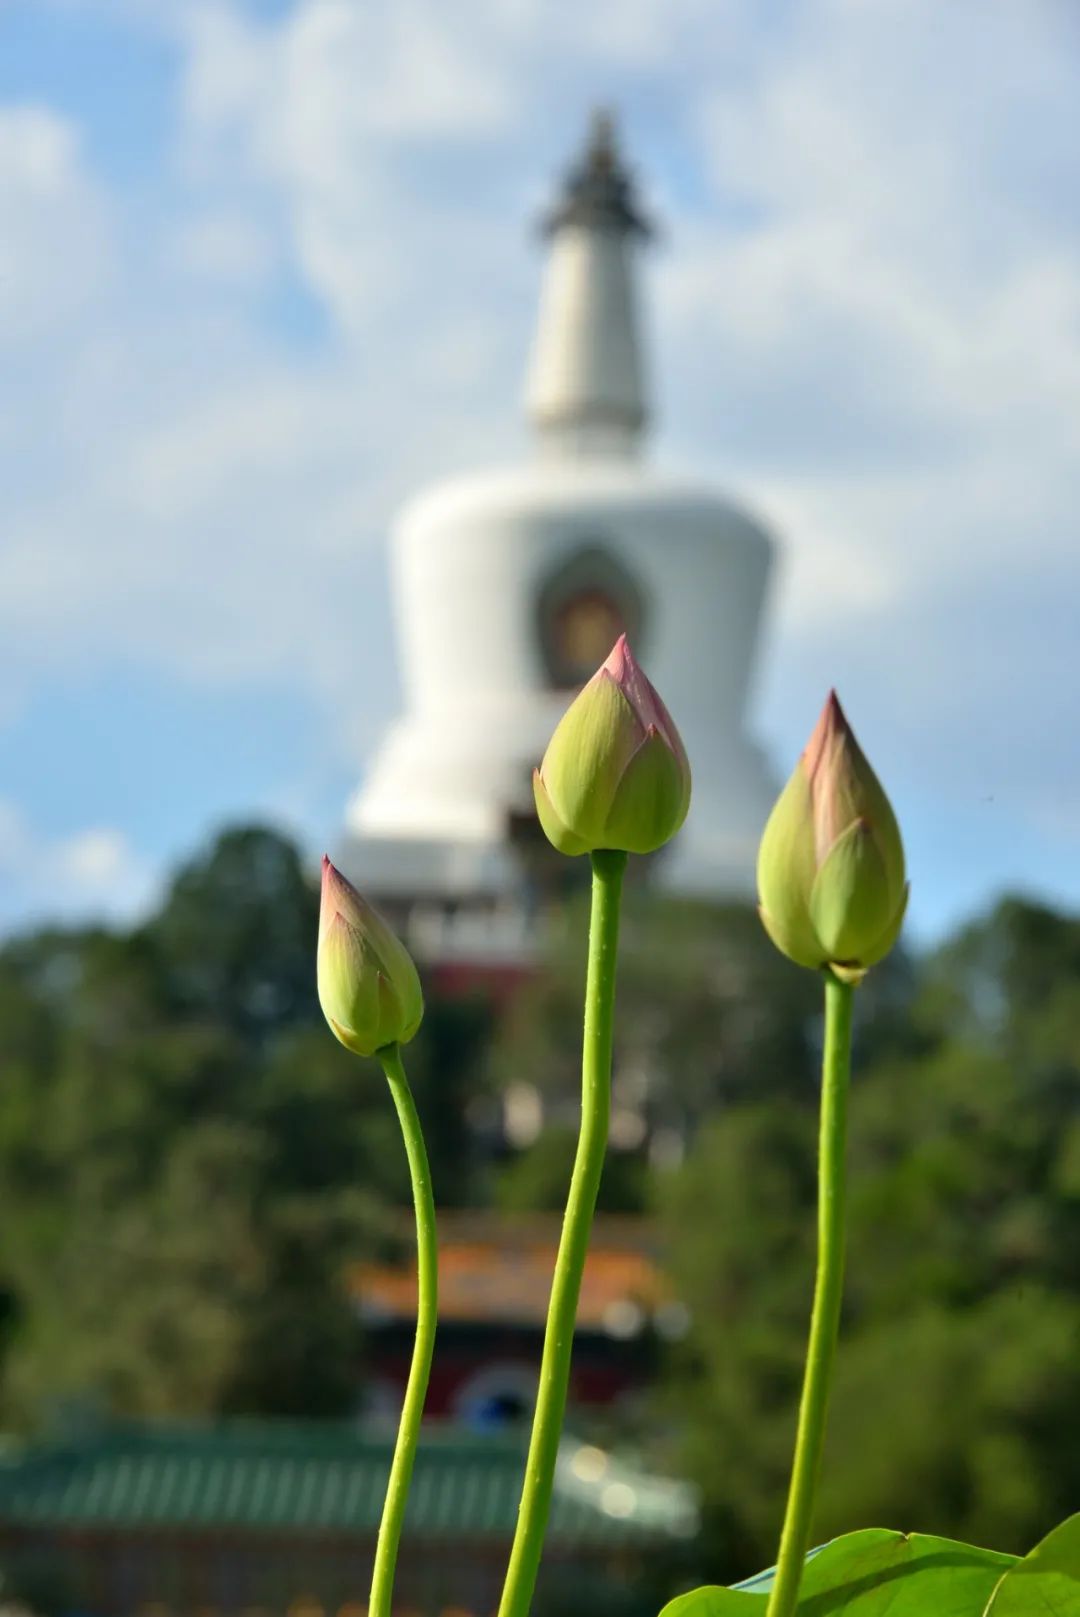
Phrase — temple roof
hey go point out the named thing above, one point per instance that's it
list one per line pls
(324, 1477)
(500, 1274)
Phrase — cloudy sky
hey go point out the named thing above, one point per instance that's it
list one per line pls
(266, 267)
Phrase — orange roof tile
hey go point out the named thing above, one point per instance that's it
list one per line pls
(495, 1270)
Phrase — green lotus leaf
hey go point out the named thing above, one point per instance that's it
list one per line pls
(1046, 1583)
(873, 1573)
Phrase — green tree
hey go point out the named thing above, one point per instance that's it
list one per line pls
(957, 1401)
(186, 1158)
(535, 1180)
(234, 937)
(708, 1014)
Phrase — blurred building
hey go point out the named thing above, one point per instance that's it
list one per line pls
(279, 1519)
(510, 588)
(494, 1284)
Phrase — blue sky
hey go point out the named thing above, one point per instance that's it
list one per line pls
(265, 269)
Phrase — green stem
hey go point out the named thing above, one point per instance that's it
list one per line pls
(427, 1258)
(607, 868)
(828, 1291)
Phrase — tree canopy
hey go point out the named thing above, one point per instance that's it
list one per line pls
(957, 1401)
(188, 1160)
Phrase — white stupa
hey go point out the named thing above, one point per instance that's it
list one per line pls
(511, 586)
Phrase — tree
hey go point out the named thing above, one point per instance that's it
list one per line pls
(186, 1157)
(536, 1179)
(234, 937)
(708, 1014)
(957, 1400)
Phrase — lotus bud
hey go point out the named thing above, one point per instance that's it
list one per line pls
(831, 863)
(368, 987)
(615, 774)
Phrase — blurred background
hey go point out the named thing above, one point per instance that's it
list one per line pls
(365, 371)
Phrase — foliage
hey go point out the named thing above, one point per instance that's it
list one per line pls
(876, 1573)
(536, 1179)
(186, 1158)
(869, 1574)
(708, 1014)
(233, 940)
(957, 1400)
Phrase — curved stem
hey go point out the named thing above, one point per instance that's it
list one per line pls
(828, 1290)
(535, 1504)
(397, 1488)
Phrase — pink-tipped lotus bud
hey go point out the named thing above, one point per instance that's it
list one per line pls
(831, 863)
(368, 987)
(615, 774)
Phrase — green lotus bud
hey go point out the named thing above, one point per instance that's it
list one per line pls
(368, 987)
(615, 774)
(831, 863)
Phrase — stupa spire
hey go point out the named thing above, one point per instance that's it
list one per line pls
(598, 190)
(586, 394)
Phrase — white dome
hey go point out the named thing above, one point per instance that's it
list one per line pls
(471, 560)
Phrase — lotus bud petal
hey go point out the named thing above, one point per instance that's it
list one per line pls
(368, 987)
(831, 863)
(615, 774)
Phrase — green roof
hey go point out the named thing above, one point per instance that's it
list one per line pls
(326, 1478)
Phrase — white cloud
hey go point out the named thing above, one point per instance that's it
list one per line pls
(54, 248)
(224, 247)
(324, 108)
(92, 873)
(884, 342)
